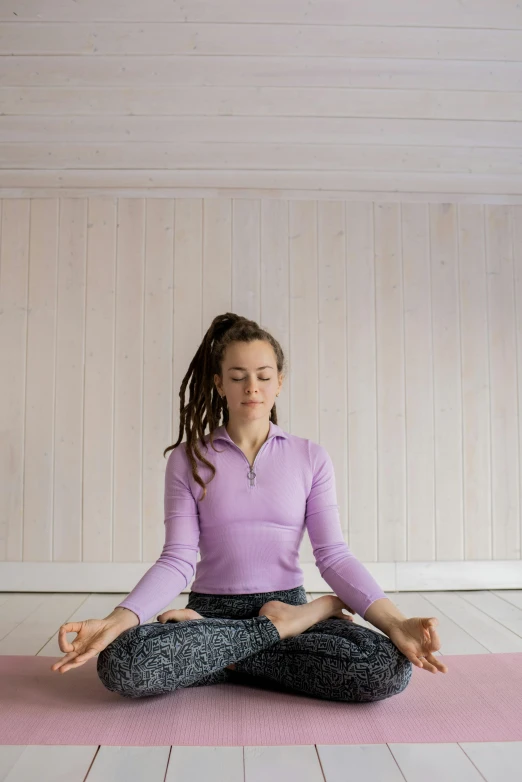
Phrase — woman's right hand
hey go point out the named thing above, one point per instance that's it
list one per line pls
(93, 635)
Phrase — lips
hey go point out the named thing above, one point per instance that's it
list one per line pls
(251, 403)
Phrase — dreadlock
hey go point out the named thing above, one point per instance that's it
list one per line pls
(205, 405)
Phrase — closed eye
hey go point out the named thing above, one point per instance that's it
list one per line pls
(237, 379)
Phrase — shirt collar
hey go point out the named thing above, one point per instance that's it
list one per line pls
(274, 431)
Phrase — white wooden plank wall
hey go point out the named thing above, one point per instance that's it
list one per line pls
(329, 98)
(348, 175)
(401, 324)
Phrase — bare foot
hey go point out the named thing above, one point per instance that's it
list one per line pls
(292, 620)
(179, 615)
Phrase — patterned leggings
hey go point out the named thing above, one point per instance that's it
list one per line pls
(334, 659)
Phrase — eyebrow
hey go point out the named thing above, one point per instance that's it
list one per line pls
(267, 366)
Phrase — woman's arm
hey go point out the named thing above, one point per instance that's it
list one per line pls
(124, 617)
(383, 614)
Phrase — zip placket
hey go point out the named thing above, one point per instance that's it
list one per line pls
(251, 474)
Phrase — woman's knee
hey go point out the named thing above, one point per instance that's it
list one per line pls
(387, 671)
(114, 664)
(392, 676)
(403, 672)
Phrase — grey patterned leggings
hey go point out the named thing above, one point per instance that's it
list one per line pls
(334, 659)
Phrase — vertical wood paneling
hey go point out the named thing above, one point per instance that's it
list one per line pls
(516, 222)
(98, 411)
(157, 369)
(14, 273)
(40, 390)
(418, 373)
(217, 257)
(246, 232)
(391, 435)
(362, 531)
(275, 304)
(331, 261)
(304, 319)
(217, 260)
(400, 324)
(505, 515)
(128, 382)
(276, 309)
(476, 454)
(187, 301)
(70, 370)
(304, 312)
(449, 533)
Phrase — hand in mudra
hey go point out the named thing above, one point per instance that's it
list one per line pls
(417, 639)
(93, 636)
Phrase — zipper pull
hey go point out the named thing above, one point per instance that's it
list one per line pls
(251, 474)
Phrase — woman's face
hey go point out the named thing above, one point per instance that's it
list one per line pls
(249, 373)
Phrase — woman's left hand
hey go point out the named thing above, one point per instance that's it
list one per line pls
(417, 637)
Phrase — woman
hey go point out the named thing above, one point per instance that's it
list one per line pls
(247, 616)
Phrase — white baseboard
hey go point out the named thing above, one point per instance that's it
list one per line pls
(119, 577)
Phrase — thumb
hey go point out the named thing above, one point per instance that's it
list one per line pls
(428, 626)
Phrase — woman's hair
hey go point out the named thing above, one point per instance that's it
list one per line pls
(205, 404)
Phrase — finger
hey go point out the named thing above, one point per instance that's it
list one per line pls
(340, 615)
(82, 658)
(63, 661)
(427, 665)
(438, 663)
(70, 627)
(63, 643)
(420, 662)
(432, 664)
(435, 640)
(66, 668)
(168, 615)
(74, 664)
(167, 618)
(174, 615)
(424, 663)
(73, 656)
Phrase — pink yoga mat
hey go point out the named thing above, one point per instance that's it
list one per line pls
(479, 699)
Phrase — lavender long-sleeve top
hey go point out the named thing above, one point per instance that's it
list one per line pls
(250, 525)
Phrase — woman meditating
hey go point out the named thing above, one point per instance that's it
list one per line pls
(247, 616)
